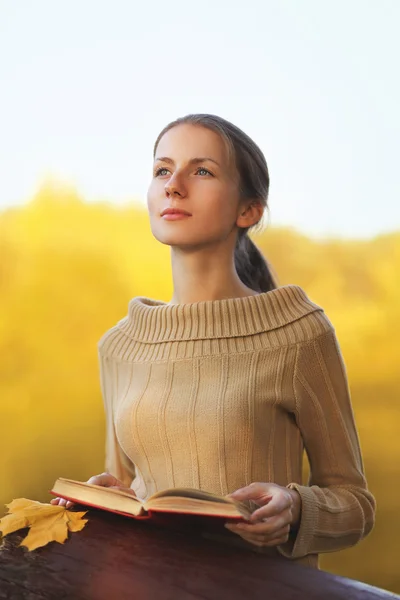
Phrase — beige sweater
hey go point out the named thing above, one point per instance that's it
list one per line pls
(219, 394)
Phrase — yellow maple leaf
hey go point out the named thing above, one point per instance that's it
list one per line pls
(11, 523)
(40, 536)
(20, 503)
(75, 521)
(47, 522)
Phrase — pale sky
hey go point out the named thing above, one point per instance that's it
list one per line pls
(86, 85)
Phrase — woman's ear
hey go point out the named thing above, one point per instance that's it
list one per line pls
(250, 214)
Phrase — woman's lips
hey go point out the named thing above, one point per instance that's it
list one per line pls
(175, 216)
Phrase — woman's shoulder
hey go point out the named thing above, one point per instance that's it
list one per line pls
(116, 340)
(301, 316)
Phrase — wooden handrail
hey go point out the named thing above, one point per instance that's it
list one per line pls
(116, 558)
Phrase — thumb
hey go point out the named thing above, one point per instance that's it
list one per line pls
(104, 480)
(260, 493)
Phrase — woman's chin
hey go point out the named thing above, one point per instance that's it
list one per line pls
(176, 243)
(174, 240)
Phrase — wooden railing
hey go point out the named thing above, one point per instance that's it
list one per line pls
(115, 558)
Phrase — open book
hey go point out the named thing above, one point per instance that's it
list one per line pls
(178, 500)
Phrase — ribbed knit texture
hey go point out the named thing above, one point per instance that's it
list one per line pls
(219, 394)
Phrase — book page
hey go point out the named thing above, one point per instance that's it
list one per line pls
(190, 493)
(102, 488)
(197, 506)
(97, 496)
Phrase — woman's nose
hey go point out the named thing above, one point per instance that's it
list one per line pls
(175, 187)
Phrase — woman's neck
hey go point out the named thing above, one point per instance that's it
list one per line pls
(205, 275)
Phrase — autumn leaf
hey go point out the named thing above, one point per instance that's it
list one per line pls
(47, 522)
(11, 523)
(33, 510)
(75, 521)
(41, 535)
(19, 504)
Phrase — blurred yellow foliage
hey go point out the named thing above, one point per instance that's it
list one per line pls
(67, 272)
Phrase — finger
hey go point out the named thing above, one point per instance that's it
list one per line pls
(270, 543)
(279, 533)
(259, 492)
(105, 480)
(61, 502)
(123, 489)
(101, 479)
(253, 539)
(280, 503)
(260, 528)
(280, 536)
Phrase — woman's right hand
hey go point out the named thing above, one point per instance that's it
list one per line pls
(104, 479)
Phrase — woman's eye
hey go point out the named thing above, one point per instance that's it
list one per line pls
(161, 171)
(202, 171)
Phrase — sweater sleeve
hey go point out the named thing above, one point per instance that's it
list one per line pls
(116, 461)
(337, 509)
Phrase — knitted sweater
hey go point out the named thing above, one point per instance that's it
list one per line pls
(218, 394)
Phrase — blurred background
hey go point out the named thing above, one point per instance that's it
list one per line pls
(85, 89)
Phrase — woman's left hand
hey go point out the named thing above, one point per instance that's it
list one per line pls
(269, 525)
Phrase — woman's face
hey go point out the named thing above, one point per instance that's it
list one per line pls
(192, 172)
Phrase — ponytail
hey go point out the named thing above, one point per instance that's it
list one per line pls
(251, 266)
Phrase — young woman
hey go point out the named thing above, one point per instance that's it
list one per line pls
(225, 386)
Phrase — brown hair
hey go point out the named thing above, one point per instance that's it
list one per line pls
(251, 266)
